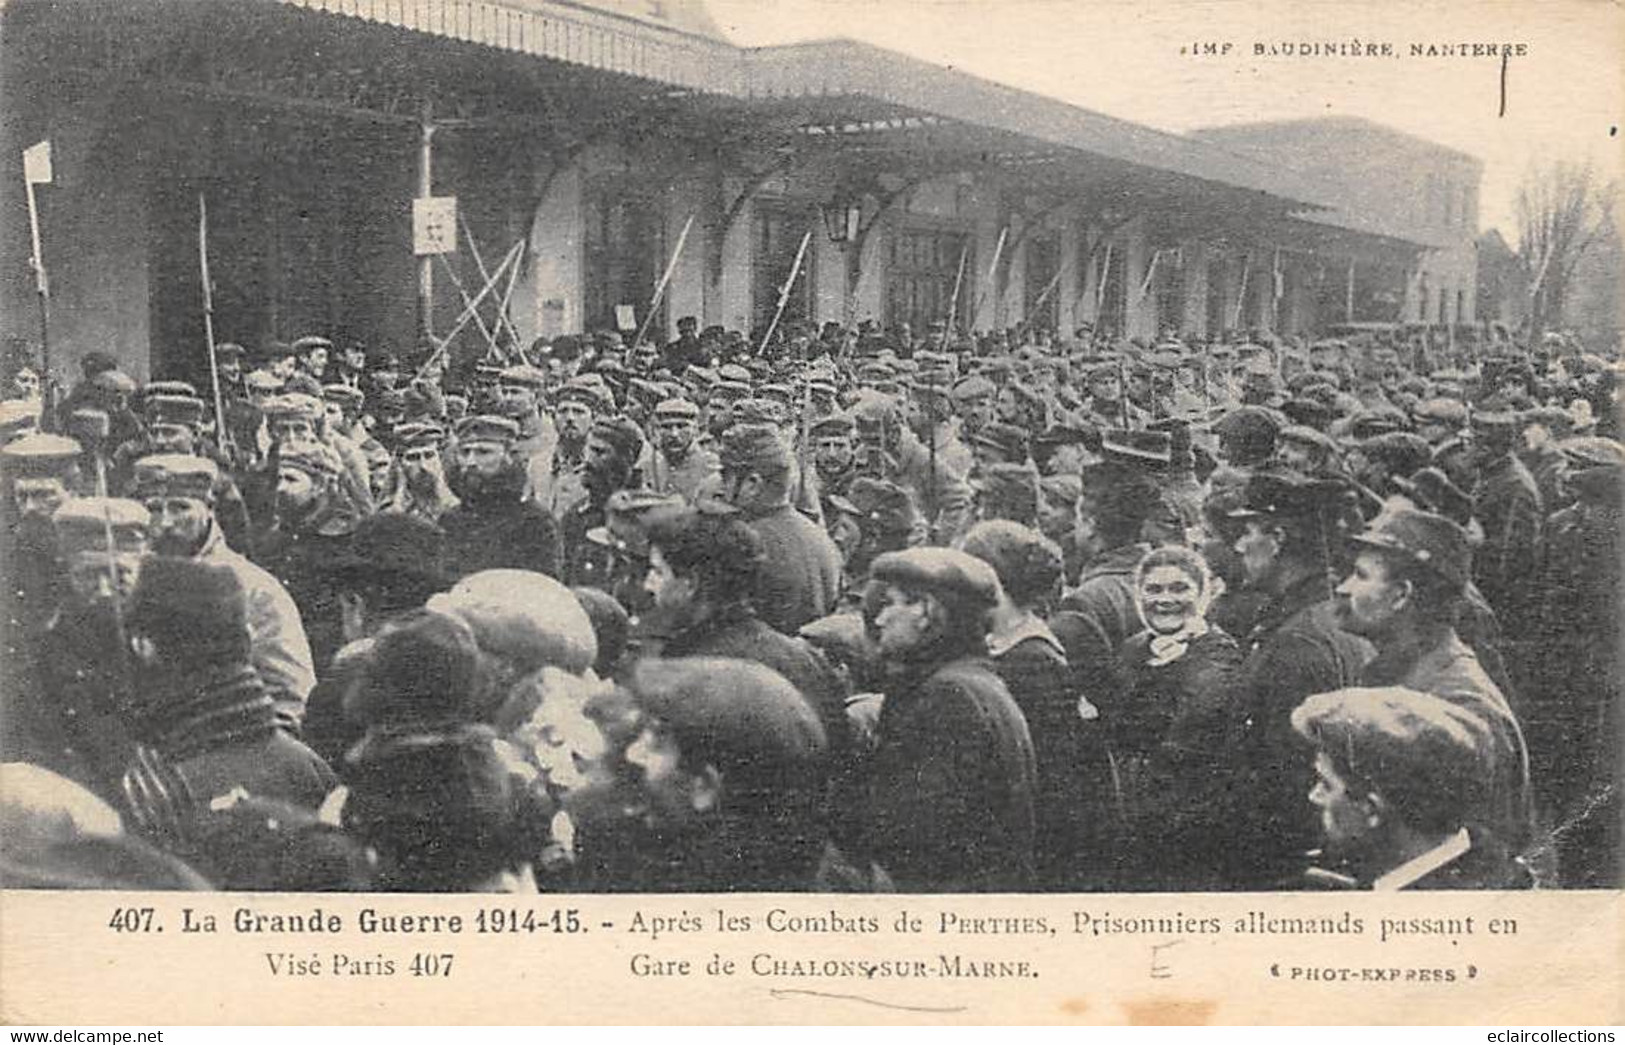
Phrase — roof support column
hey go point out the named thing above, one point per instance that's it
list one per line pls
(1068, 291)
(425, 190)
(1193, 317)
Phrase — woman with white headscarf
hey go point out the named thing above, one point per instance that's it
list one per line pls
(1169, 731)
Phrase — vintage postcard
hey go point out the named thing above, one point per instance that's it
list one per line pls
(811, 511)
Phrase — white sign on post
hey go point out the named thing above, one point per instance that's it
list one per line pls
(37, 163)
(434, 225)
(626, 317)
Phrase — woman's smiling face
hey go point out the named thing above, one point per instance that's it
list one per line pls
(1168, 598)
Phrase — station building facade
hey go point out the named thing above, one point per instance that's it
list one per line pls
(593, 138)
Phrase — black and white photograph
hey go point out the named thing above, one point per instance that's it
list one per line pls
(710, 446)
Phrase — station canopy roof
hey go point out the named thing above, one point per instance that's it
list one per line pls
(884, 111)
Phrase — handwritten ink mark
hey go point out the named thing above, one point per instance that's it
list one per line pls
(784, 992)
(1160, 971)
(1504, 59)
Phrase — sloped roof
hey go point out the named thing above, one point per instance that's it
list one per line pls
(1260, 133)
(676, 42)
(682, 16)
(824, 68)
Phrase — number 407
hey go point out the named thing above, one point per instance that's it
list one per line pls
(431, 964)
(131, 920)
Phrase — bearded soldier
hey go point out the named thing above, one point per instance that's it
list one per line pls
(679, 464)
(494, 526)
(179, 493)
(419, 486)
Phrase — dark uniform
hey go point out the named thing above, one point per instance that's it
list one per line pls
(1507, 565)
(946, 801)
(496, 525)
(1294, 649)
(1573, 700)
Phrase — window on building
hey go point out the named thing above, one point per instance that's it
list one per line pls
(920, 278)
(624, 246)
(777, 236)
(1449, 194)
(1461, 306)
(1444, 296)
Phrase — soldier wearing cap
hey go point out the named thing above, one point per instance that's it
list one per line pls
(417, 483)
(621, 567)
(1097, 616)
(1007, 491)
(1307, 451)
(1543, 429)
(1400, 779)
(556, 479)
(930, 414)
(517, 392)
(349, 365)
(974, 400)
(719, 406)
(1381, 461)
(614, 448)
(686, 350)
(1106, 407)
(174, 418)
(1510, 510)
(1439, 419)
(247, 418)
(758, 481)
(342, 405)
(71, 720)
(823, 397)
(1574, 704)
(876, 516)
(680, 465)
(518, 395)
(40, 472)
(998, 443)
(292, 417)
(1260, 382)
(1247, 438)
(495, 525)
(312, 354)
(298, 417)
(1411, 570)
(945, 803)
(179, 492)
(1065, 449)
(1293, 649)
(174, 415)
(834, 457)
(891, 450)
(107, 388)
(644, 358)
(309, 527)
(702, 578)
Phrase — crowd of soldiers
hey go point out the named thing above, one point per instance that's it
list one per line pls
(864, 610)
